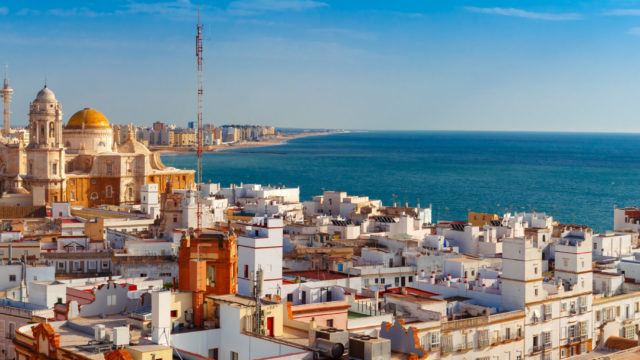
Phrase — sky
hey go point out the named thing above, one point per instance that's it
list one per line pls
(382, 65)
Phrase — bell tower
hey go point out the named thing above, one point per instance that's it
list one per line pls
(45, 153)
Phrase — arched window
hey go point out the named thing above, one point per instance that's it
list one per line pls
(51, 129)
(109, 191)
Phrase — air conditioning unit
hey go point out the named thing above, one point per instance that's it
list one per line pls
(121, 336)
(334, 335)
(365, 347)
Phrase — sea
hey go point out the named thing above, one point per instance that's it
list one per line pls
(575, 177)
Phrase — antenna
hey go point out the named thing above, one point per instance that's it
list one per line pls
(200, 80)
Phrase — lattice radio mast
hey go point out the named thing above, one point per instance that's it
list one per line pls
(199, 131)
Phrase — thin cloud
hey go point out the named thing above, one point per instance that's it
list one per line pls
(4, 10)
(622, 12)
(178, 8)
(343, 33)
(251, 6)
(83, 11)
(519, 13)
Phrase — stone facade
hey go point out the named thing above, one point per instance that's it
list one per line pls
(80, 162)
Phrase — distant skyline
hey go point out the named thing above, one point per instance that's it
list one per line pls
(397, 65)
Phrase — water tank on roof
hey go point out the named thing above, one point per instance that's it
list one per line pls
(99, 333)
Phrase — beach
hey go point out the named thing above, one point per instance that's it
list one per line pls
(280, 139)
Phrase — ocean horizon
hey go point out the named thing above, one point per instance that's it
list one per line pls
(575, 177)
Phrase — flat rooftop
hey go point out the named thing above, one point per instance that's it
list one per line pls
(318, 275)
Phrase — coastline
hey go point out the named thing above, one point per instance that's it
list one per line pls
(279, 140)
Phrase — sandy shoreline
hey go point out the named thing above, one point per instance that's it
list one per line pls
(246, 144)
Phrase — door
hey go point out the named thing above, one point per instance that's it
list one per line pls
(402, 281)
(270, 325)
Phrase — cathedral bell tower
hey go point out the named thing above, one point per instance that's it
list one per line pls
(45, 153)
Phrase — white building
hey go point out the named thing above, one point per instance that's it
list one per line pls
(260, 247)
(613, 244)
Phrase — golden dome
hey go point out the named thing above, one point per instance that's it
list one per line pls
(88, 119)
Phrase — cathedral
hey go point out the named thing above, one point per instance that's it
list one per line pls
(80, 162)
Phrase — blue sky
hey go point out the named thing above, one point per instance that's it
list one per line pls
(428, 65)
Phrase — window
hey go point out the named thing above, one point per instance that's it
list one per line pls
(211, 276)
(94, 196)
(410, 278)
(213, 353)
(595, 246)
(111, 300)
(143, 274)
(51, 129)
(535, 270)
(563, 353)
(435, 340)
(174, 313)
(108, 191)
(12, 278)
(246, 271)
(12, 331)
(54, 169)
(629, 332)
(535, 291)
(234, 355)
(546, 338)
(382, 280)
(330, 322)
(105, 265)
(60, 265)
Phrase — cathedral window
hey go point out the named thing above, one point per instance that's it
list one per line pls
(130, 192)
(54, 169)
(51, 129)
(109, 168)
(109, 191)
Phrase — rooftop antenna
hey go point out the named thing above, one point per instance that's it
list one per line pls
(200, 90)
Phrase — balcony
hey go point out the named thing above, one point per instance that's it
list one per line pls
(483, 343)
(464, 347)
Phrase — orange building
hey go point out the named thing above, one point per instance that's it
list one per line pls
(207, 263)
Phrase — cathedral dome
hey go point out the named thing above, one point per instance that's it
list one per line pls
(46, 95)
(88, 119)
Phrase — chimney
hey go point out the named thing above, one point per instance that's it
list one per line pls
(161, 317)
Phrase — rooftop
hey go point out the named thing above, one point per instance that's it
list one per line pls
(316, 275)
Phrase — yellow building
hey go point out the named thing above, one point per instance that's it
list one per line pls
(186, 137)
(150, 352)
(80, 162)
(481, 219)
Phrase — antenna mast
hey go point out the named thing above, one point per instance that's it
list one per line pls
(199, 130)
